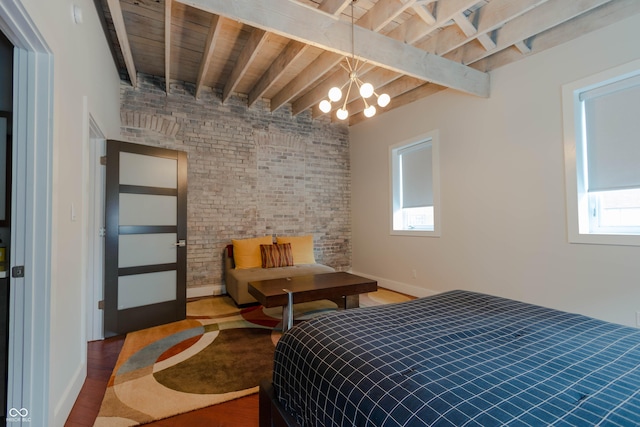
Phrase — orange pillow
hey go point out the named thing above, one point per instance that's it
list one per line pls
(246, 252)
(302, 248)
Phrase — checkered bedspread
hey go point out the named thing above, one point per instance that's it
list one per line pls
(459, 359)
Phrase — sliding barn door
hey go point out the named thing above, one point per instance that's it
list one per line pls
(146, 233)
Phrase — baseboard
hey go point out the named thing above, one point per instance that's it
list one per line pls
(62, 407)
(403, 288)
(204, 291)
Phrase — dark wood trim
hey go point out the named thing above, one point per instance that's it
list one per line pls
(6, 222)
(146, 269)
(155, 191)
(112, 210)
(148, 229)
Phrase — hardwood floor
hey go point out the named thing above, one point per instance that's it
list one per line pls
(102, 357)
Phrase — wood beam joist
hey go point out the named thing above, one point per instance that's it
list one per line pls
(291, 52)
(494, 15)
(600, 17)
(416, 28)
(290, 19)
(322, 64)
(543, 17)
(383, 12)
(373, 18)
(248, 54)
(423, 91)
(167, 44)
(123, 39)
(470, 31)
(424, 14)
(334, 7)
(207, 55)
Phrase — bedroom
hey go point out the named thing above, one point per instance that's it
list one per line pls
(504, 218)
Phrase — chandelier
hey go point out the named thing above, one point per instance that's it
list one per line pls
(366, 90)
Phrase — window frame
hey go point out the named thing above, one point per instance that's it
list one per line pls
(394, 186)
(577, 197)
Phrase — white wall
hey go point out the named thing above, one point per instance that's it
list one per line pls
(84, 74)
(502, 185)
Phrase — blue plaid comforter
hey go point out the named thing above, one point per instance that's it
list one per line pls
(459, 359)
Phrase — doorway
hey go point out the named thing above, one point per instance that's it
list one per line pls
(31, 211)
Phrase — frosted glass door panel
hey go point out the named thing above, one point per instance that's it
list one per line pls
(147, 209)
(148, 171)
(144, 289)
(147, 249)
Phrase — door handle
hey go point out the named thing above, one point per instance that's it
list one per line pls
(181, 243)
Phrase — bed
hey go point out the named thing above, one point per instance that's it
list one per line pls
(454, 359)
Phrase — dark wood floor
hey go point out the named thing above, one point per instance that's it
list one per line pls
(102, 357)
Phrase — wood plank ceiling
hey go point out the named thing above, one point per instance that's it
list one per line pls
(292, 51)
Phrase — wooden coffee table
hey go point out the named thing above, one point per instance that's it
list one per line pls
(340, 287)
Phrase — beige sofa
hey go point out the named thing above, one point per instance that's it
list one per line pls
(237, 281)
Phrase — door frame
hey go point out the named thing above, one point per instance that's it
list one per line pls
(96, 148)
(31, 212)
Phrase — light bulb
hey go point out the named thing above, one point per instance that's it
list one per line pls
(383, 100)
(370, 111)
(335, 94)
(325, 106)
(366, 90)
(342, 114)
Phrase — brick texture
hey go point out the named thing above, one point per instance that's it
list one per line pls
(251, 172)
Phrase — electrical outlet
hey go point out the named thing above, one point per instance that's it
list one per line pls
(414, 273)
(638, 319)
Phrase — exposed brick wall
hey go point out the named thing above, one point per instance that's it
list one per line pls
(251, 172)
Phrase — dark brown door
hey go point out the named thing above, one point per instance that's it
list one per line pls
(146, 234)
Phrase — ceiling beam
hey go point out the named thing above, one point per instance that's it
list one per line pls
(290, 19)
(413, 95)
(417, 27)
(383, 12)
(123, 39)
(600, 17)
(494, 15)
(246, 57)
(207, 55)
(374, 19)
(291, 52)
(167, 44)
(324, 62)
(539, 19)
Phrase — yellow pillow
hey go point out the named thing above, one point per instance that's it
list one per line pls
(302, 248)
(246, 252)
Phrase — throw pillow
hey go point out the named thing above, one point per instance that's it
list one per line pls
(278, 255)
(246, 252)
(302, 248)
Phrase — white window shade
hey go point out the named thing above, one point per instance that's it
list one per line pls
(612, 124)
(416, 176)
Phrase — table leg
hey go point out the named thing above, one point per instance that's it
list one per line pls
(352, 301)
(287, 313)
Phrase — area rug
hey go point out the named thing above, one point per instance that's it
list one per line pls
(219, 353)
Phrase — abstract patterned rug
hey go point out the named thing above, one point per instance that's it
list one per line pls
(219, 353)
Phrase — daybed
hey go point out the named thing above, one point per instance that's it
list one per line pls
(454, 359)
(243, 264)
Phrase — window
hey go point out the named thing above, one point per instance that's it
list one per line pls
(415, 192)
(602, 157)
